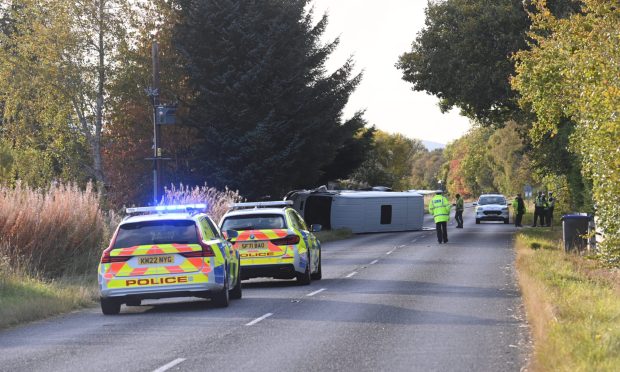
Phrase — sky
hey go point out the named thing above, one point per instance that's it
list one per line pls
(376, 33)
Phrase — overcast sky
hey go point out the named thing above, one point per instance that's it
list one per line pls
(375, 33)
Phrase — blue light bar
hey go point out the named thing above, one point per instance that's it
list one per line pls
(167, 208)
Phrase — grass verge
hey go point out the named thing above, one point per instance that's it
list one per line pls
(332, 235)
(572, 304)
(24, 299)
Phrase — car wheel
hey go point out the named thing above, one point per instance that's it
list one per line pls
(318, 275)
(477, 221)
(235, 293)
(110, 306)
(506, 221)
(222, 298)
(305, 278)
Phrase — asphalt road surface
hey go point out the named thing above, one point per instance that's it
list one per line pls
(388, 302)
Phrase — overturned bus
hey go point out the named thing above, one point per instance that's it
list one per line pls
(360, 211)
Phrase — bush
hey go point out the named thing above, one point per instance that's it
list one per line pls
(218, 202)
(52, 232)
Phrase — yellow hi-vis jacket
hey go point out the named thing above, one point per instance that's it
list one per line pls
(440, 208)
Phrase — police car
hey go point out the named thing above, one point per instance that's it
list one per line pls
(172, 251)
(274, 241)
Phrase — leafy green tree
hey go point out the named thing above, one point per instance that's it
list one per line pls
(572, 73)
(54, 69)
(510, 163)
(470, 170)
(426, 169)
(390, 161)
(267, 113)
(462, 56)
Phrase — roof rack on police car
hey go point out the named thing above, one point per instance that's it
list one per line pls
(268, 204)
(168, 208)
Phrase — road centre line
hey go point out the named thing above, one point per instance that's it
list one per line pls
(374, 262)
(401, 246)
(316, 292)
(350, 275)
(390, 252)
(169, 365)
(259, 319)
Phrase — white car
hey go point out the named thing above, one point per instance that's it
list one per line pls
(492, 207)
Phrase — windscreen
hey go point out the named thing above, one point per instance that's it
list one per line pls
(156, 232)
(485, 200)
(254, 222)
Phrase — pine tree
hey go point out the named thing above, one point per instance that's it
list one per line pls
(269, 116)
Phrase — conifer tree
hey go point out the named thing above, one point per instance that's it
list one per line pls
(270, 117)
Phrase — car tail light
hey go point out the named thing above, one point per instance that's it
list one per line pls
(287, 240)
(207, 251)
(106, 258)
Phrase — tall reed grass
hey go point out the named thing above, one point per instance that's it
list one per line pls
(52, 232)
(218, 202)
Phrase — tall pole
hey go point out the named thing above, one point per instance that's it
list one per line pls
(156, 128)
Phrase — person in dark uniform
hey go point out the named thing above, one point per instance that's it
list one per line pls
(519, 210)
(458, 215)
(550, 206)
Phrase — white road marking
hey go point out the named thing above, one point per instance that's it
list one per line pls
(390, 252)
(350, 275)
(401, 246)
(374, 262)
(315, 292)
(259, 319)
(169, 365)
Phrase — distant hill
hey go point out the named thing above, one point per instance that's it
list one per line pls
(433, 145)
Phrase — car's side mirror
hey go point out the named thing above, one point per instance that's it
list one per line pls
(231, 234)
(316, 227)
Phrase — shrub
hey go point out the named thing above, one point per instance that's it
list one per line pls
(218, 202)
(51, 232)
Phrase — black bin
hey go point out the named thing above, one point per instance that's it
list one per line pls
(575, 227)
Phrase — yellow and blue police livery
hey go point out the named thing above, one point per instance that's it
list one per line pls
(172, 251)
(274, 241)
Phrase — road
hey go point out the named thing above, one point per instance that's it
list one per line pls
(388, 302)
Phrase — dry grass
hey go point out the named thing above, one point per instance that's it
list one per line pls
(572, 305)
(53, 232)
(218, 202)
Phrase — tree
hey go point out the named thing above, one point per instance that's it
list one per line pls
(56, 63)
(510, 163)
(463, 56)
(572, 73)
(268, 117)
(390, 161)
(426, 169)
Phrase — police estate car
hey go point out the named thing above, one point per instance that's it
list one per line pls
(174, 251)
(274, 241)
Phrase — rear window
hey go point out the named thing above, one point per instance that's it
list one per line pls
(156, 232)
(254, 222)
(492, 200)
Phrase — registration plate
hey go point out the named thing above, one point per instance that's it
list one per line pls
(155, 260)
(253, 245)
